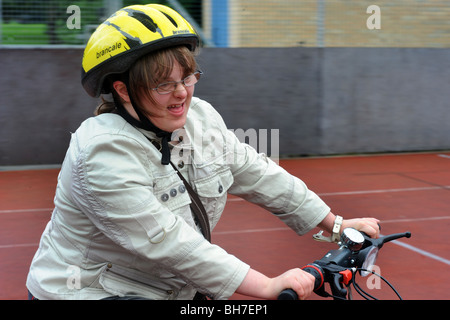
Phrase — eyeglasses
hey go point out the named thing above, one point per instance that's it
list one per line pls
(169, 87)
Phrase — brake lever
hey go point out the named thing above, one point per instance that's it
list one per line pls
(337, 277)
(394, 236)
(383, 239)
(337, 286)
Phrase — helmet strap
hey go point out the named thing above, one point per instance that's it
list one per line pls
(144, 123)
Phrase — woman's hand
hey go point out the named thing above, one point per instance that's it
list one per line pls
(296, 279)
(258, 285)
(370, 226)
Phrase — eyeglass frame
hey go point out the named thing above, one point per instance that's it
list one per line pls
(175, 83)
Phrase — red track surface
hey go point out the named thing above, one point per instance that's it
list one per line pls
(407, 192)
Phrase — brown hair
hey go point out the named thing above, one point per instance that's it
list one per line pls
(150, 70)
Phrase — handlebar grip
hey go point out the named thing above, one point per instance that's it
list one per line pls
(288, 294)
(316, 271)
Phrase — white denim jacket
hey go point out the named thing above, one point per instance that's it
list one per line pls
(122, 224)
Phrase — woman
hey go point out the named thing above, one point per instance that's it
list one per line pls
(123, 226)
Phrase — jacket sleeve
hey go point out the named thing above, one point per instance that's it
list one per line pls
(113, 185)
(261, 181)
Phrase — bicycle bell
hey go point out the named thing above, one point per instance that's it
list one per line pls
(352, 239)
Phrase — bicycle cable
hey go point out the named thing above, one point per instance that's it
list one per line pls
(362, 293)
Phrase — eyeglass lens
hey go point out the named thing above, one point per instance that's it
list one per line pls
(168, 87)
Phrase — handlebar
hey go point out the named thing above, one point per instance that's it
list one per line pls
(338, 266)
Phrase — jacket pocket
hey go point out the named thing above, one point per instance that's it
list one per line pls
(171, 192)
(212, 191)
(127, 285)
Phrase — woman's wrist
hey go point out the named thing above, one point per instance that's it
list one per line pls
(328, 222)
(333, 224)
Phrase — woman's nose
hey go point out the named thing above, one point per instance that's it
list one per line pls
(180, 90)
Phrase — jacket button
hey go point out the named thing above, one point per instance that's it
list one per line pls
(181, 164)
(182, 188)
(109, 265)
(165, 197)
(173, 192)
(220, 189)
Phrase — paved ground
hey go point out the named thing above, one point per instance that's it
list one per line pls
(407, 192)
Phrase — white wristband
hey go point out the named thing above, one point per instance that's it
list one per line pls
(335, 233)
(336, 236)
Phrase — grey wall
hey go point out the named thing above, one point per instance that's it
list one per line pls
(323, 100)
(41, 102)
(385, 100)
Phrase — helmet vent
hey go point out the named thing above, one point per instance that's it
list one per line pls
(145, 20)
(170, 19)
(129, 39)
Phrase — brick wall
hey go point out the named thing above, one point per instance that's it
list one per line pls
(338, 23)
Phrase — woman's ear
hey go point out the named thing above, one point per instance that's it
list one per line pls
(121, 90)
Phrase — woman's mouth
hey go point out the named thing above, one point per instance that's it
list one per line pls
(176, 109)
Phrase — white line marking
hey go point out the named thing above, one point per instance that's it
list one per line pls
(349, 193)
(401, 244)
(286, 228)
(26, 210)
(235, 199)
(250, 231)
(422, 252)
(382, 191)
(8, 246)
(415, 219)
(344, 193)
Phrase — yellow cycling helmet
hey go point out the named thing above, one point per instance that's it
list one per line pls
(127, 35)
